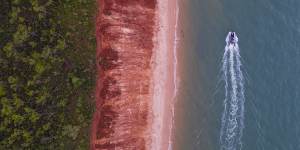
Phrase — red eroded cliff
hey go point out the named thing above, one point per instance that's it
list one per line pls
(124, 31)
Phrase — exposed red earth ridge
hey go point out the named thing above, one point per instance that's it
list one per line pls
(126, 33)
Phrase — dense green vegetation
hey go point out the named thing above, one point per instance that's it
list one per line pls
(46, 73)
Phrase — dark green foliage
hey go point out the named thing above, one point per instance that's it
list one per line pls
(46, 73)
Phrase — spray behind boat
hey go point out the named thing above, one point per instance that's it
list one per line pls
(233, 114)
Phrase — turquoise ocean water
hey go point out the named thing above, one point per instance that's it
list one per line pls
(269, 42)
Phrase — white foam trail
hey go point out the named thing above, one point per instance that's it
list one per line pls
(225, 76)
(233, 114)
(241, 92)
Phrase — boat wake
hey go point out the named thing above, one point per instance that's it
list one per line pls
(233, 114)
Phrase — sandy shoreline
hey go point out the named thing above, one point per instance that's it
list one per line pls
(164, 74)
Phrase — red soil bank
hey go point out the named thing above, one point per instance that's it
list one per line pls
(124, 31)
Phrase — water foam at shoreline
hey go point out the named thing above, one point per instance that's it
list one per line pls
(175, 81)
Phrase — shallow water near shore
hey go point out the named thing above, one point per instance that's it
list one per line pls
(268, 34)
